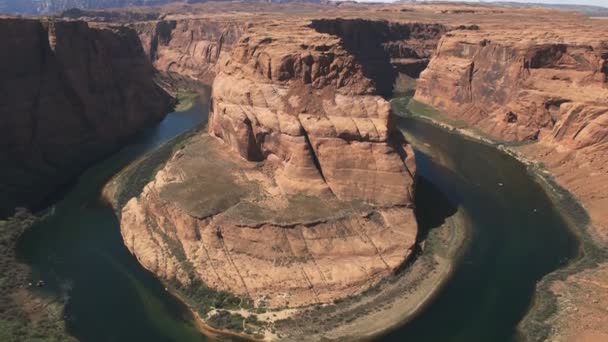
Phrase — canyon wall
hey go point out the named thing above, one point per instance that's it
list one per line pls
(550, 87)
(545, 88)
(69, 94)
(385, 48)
(189, 47)
(520, 90)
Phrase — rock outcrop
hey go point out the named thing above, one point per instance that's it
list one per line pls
(247, 237)
(69, 94)
(549, 89)
(302, 193)
(521, 89)
(301, 100)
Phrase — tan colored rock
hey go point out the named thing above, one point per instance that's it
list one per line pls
(547, 85)
(188, 47)
(334, 106)
(277, 249)
(551, 87)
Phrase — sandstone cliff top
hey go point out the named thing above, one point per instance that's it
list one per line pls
(503, 24)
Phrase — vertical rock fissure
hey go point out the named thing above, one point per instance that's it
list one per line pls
(231, 261)
(315, 159)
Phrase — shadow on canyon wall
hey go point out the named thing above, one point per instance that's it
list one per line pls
(383, 48)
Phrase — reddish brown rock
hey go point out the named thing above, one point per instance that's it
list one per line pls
(247, 237)
(303, 101)
(188, 47)
(69, 93)
(548, 86)
(551, 88)
(306, 197)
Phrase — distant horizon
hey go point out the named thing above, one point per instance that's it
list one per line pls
(600, 3)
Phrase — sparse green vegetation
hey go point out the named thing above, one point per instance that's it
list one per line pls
(185, 100)
(130, 182)
(301, 209)
(205, 299)
(226, 320)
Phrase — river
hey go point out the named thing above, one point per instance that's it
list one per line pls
(516, 237)
(79, 253)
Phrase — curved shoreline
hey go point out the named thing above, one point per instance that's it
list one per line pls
(533, 327)
(398, 306)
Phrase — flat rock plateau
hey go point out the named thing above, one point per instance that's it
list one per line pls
(300, 191)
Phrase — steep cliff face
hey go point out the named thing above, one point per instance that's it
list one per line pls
(300, 99)
(548, 87)
(535, 90)
(385, 48)
(189, 47)
(246, 236)
(69, 93)
(521, 90)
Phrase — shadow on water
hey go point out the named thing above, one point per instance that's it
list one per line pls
(516, 236)
(79, 253)
(432, 207)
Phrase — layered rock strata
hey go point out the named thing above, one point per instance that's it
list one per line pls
(247, 237)
(189, 47)
(69, 93)
(303, 102)
(550, 88)
(301, 193)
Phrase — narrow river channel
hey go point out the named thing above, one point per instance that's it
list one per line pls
(516, 237)
(78, 251)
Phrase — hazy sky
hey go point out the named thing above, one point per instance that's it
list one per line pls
(603, 3)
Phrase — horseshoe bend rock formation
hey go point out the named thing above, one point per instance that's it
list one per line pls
(70, 93)
(299, 194)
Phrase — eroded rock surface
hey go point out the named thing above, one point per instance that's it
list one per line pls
(302, 193)
(245, 236)
(548, 87)
(301, 101)
(189, 47)
(69, 93)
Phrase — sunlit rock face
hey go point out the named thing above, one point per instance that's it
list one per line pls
(301, 192)
(303, 100)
